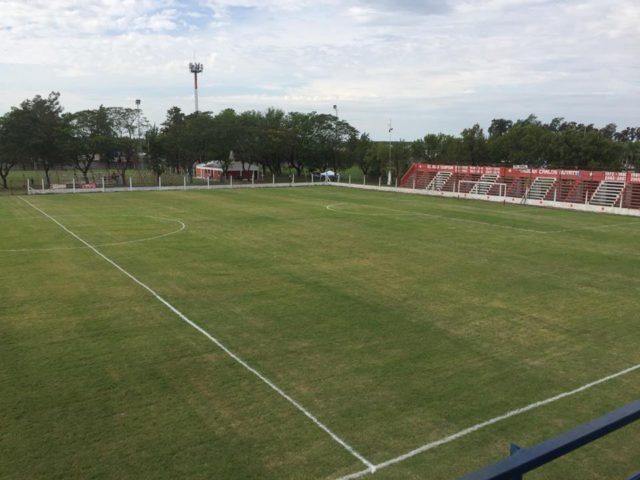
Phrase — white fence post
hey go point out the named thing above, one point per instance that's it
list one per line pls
(184, 182)
(159, 182)
(273, 178)
(42, 184)
(28, 186)
(208, 183)
(364, 180)
(379, 182)
(103, 184)
(396, 182)
(312, 179)
(349, 179)
(74, 184)
(231, 178)
(130, 183)
(252, 179)
(414, 183)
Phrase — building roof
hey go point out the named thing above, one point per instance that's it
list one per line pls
(234, 166)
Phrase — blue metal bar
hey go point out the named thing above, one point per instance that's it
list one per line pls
(527, 459)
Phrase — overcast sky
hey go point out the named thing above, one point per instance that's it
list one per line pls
(428, 66)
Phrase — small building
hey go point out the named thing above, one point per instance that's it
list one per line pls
(215, 171)
(207, 170)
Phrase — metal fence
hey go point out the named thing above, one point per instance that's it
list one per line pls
(523, 460)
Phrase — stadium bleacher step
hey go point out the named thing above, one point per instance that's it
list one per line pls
(484, 184)
(607, 193)
(439, 181)
(540, 187)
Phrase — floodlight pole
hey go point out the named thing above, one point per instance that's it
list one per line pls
(195, 68)
(138, 115)
(335, 166)
(390, 130)
(139, 149)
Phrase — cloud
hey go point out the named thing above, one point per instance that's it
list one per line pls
(429, 65)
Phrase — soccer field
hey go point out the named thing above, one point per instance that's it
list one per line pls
(309, 333)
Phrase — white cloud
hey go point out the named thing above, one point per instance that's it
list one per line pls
(430, 65)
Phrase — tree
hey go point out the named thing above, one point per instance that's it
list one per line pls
(418, 151)
(14, 138)
(171, 138)
(93, 135)
(473, 147)
(155, 159)
(124, 141)
(609, 131)
(225, 129)
(527, 142)
(435, 146)
(361, 155)
(555, 124)
(499, 126)
(248, 141)
(185, 140)
(46, 137)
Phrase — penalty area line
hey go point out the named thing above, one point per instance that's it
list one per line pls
(183, 317)
(478, 426)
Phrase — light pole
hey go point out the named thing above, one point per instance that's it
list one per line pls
(138, 115)
(335, 160)
(389, 166)
(138, 122)
(195, 68)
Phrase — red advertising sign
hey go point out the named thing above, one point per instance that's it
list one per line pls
(529, 172)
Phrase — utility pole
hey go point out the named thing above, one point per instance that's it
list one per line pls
(195, 68)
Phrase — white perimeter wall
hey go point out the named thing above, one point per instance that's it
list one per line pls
(487, 198)
(493, 198)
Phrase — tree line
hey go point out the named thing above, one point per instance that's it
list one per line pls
(40, 134)
(557, 144)
(274, 140)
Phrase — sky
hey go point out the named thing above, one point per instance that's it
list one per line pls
(425, 66)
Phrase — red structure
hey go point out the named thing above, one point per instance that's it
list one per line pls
(603, 189)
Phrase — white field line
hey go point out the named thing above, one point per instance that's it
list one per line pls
(126, 242)
(183, 317)
(478, 426)
(399, 213)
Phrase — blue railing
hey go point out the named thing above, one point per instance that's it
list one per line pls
(523, 460)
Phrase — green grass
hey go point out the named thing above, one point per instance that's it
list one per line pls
(396, 320)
